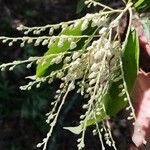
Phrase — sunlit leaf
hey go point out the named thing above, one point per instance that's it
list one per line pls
(142, 5)
(138, 3)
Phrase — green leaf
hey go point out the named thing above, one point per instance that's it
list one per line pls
(113, 103)
(142, 5)
(80, 6)
(130, 60)
(75, 130)
(138, 3)
(54, 49)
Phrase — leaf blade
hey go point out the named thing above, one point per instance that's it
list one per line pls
(130, 61)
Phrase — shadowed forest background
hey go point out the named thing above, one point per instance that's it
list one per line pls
(22, 113)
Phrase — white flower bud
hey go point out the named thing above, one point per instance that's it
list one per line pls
(50, 43)
(82, 116)
(4, 41)
(75, 55)
(120, 86)
(29, 88)
(64, 26)
(57, 60)
(118, 78)
(116, 44)
(89, 48)
(94, 132)
(94, 67)
(95, 43)
(38, 32)
(92, 75)
(26, 32)
(45, 42)
(99, 54)
(39, 145)
(2, 69)
(67, 59)
(75, 64)
(61, 85)
(121, 94)
(98, 109)
(86, 2)
(58, 91)
(79, 140)
(38, 85)
(70, 39)
(51, 31)
(50, 81)
(73, 45)
(29, 65)
(86, 96)
(34, 32)
(94, 22)
(21, 27)
(37, 42)
(56, 26)
(77, 23)
(71, 86)
(125, 99)
(107, 45)
(98, 113)
(84, 25)
(89, 90)
(93, 81)
(11, 68)
(130, 118)
(60, 75)
(61, 42)
(10, 44)
(30, 41)
(22, 44)
(102, 30)
(85, 106)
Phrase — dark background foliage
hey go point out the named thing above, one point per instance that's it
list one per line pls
(22, 113)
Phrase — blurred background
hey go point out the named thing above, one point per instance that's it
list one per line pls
(22, 113)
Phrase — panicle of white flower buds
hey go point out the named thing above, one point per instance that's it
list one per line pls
(90, 68)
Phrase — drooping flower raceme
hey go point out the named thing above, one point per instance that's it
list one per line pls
(88, 54)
